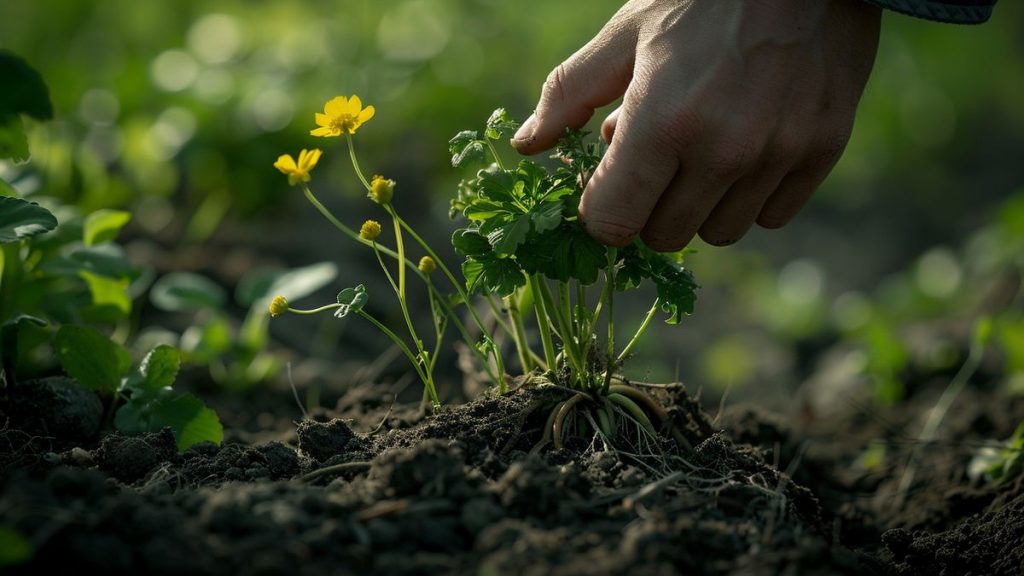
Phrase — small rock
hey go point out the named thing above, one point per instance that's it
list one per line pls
(322, 440)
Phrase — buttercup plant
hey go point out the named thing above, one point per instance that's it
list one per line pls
(525, 245)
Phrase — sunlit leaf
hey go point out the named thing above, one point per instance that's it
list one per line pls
(103, 226)
(351, 300)
(190, 420)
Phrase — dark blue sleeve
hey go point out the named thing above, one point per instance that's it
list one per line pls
(954, 11)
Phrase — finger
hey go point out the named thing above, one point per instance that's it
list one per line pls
(736, 212)
(629, 180)
(800, 184)
(609, 125)
(683, 207)
(592, 77)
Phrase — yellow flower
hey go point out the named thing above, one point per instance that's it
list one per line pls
(278, 306)
(381, 190)
(427, 265)
(298, 171)
(370, 230)
(341, 115)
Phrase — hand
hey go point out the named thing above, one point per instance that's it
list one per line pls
(734, 111)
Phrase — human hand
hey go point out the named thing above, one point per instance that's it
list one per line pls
(733, 111)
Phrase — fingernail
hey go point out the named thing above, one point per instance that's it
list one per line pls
(525, 131)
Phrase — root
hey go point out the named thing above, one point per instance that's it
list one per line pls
(566, 408)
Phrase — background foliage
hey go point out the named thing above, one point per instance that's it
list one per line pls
(176, 110)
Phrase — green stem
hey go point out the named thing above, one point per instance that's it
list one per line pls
(314, 310)
(543, 323)
(424, 376)
(494, 152)
(564, 330)
(10, 279)
(609, 296)
(355, 162)
(519, 335)
(401, 250)
(640, 332)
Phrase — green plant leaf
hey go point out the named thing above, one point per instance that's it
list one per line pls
(107, 260)
(24, 91)
(13, 142)
(159, 368)
(497, 185)
(184, 291)
(466, 147)
(6, 189)
(499, 275)
(468, 242)
(506, 238)
(21, 219)
(202, 343)
(471, 271)
(9, 341)
(15, 548)
(351, 300)
(89, 357)
(500, 124)
(190, 420)
(546, 217)
(677, 289)
(302, 282)
(565, 253)
(103, 226)
(108, 292)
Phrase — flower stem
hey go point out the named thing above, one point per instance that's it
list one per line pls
(639, 332)
(355, 162)
(314, 310)
(420, 370)
(494, 152)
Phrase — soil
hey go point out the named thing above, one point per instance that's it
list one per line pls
(374, 487)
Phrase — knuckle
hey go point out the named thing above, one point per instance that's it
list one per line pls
(827, 151)
(554, 88)
(730, 158)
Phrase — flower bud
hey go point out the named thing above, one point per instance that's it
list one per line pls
(381, 190)
(369, 230)
(427, 265)
(278, 306)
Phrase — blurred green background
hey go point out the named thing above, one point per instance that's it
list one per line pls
(176, 111)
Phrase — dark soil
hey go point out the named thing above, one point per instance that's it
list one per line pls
(372, 488)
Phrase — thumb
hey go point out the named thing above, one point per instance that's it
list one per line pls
(594, 76)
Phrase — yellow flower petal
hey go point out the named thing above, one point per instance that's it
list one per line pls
(313, 158)
(354, 105)
(325, 132)
(365, 115)
(285, 163)
(323, 119)
(336, 106)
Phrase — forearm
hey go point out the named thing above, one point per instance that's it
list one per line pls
(953, 11)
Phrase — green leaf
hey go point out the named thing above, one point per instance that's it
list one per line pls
(21, 219)
(500, 124)
(565, 253)
(507, 238)
(24, 91)
(108, 292)
(466, 147)
(107, 260)
(502, 275)
(351, 300)
(159, 368)
(302, 282)
(497, 184)
(15, 548)
(468, 242)
(184, 291)
(104, 225)
(472, 270)
(677, 289)
(9, 341)
(190, 420)
(13, 142)
(484, 209)
(89, 357)
(205, 342)
(6, 189)
(546, 217)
